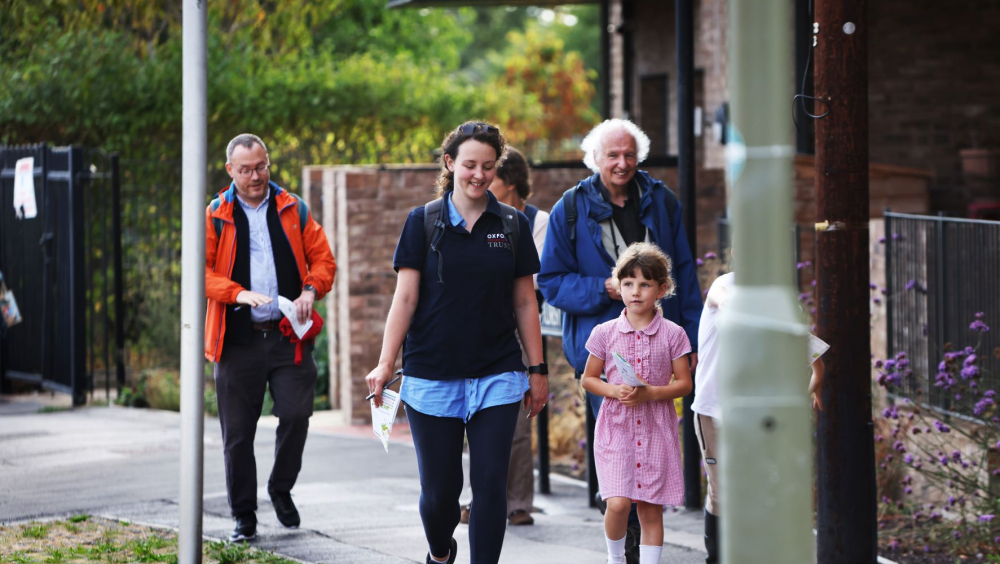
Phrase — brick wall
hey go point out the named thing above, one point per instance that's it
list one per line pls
(933, 76)
(655, 43)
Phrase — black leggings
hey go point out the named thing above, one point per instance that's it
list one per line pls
(439, 443)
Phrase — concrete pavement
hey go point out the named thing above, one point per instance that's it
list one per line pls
(358, 504)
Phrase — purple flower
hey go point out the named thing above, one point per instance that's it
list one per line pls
(872, 285)
(956, 456)
(804, 296)
(978, 325)
(878, 364)
(941, 427)
(969, 360)
(890, 365)
(710, 256)
(970, 372)
(583, 443)
(813, 283)
(894, 545)
(982, 405)
(979, 315)
(908, 490)
(897, 237)
(908, 458)
(911, 284)
(943, 460)
(899, 447)
(989, 393)
(884, 291)
(877, 301)
(699, 262)
(985, 518)
(881, 240)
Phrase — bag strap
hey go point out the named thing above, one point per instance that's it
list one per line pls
(569, 204)
(303, 210)
(511, 227)
(434, 231)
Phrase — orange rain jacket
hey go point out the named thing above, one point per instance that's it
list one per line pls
(309, 245)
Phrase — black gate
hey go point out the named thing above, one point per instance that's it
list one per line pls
(42, 260)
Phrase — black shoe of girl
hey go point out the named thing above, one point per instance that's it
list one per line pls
(451, 556)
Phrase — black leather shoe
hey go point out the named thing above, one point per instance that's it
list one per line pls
(451, 557)
(285, 509)
(246, 528)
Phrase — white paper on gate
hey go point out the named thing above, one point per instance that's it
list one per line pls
(626, 372)
(288, 310)
(384, 416)
(817, 347)
(24, 188)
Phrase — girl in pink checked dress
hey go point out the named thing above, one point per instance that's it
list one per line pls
(636, 445)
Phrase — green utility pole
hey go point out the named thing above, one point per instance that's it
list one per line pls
(766, 451)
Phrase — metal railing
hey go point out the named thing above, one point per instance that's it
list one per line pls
(940, 272)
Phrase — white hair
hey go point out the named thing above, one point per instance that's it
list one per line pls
(593, 142)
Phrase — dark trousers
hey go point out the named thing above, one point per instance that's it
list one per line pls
(439, 442)
(241, 376)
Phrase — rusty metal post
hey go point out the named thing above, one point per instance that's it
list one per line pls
(846, 524)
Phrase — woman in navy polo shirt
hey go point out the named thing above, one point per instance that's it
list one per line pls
(458, 306)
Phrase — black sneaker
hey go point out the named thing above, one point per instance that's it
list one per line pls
(285, 509)
(451, 557)
(246, 528)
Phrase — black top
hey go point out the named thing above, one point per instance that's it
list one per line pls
(626, 217)
(465, 327)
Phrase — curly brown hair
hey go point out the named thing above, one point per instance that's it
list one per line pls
(474, 129)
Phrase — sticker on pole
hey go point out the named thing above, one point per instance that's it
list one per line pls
(24, 188)
(736, 154)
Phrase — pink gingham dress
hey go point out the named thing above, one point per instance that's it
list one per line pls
(637, 449)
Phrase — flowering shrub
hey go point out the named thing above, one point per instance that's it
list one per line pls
(950, 449)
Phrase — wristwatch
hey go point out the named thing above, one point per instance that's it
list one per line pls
(541, 368)
(311, 288)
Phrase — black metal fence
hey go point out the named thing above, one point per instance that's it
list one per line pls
(42, 261)
(96, 274)
(941, 272)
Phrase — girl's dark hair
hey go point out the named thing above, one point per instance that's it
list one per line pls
(478, 130)
(650, 260)
(514, 172)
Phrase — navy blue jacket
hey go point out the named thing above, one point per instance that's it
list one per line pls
(572, 275)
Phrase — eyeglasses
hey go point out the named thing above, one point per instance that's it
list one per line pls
(248, 172)
(470, 129)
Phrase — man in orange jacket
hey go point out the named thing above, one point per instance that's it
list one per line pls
(260, 243)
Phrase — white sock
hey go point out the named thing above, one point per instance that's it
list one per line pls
(616, 550)
(649, 554)
(445, 561)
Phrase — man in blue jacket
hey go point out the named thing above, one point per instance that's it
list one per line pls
(615, 207)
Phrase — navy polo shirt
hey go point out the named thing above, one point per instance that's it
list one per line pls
(465, 327)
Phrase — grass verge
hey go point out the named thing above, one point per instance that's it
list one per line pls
(84, 539)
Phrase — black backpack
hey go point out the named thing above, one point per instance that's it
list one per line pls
(434, 230)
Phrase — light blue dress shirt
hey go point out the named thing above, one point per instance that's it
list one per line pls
(263, 278)
(462, 398)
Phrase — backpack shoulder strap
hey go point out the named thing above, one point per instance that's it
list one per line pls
(511, 227)
(569, 204)
(216, 222)
(433, 231)
(303, 213)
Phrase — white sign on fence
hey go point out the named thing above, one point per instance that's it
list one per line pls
(24, 188)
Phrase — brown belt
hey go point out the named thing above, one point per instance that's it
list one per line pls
(266, 326)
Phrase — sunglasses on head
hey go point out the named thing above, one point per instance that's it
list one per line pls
(470, 129)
